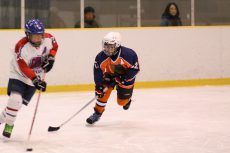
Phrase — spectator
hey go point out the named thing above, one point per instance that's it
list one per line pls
(171, 16)
(89, 17)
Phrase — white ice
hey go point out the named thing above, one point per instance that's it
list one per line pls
(167, 120)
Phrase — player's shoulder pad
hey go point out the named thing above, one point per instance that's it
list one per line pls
(48, 35)
(52, 38)
(128, 54)
(20, 44)
(101, 57)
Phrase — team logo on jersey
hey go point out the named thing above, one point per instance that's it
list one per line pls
(35, 62)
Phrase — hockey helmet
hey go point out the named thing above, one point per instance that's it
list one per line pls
(34, 26)
(114, 39)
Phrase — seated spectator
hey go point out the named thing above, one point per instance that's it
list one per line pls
(171, 16)
(89, 17)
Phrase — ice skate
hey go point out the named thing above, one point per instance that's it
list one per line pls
(126, 107)
(93, 118)
(7, 130)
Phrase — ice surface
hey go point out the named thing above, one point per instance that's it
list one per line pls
(167, 120)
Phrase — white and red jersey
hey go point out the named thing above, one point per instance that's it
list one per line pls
(27, 60)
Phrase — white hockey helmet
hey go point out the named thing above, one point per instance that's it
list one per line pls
(112, 38)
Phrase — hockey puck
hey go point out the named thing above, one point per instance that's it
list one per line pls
(29, 149)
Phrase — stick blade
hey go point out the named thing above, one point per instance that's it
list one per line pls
(29, 149)
(51, 128)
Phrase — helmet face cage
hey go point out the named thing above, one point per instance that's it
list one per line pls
(110, 49)
(108, 46)
(34, 27)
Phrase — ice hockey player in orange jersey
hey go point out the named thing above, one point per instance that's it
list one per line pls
(115, 66)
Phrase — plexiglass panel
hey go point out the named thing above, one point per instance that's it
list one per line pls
(10, 14)
(111, 13)
(115, 13)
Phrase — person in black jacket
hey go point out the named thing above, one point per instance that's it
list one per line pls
(89, 17)
(171, 16)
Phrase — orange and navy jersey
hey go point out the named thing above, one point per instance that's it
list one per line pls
(27, 60)
(125, 57)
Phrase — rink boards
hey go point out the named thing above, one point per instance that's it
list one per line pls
(169, 57)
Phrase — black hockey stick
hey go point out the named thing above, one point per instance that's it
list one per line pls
(52, 128)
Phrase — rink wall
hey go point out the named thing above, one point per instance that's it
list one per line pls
(168, 56)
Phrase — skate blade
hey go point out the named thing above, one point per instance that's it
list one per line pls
(5, 139)
(89, 125)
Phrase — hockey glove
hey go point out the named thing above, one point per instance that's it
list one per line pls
(39, 84)
(48, 63)
(109, 80)
(119, 70)
(99, 91)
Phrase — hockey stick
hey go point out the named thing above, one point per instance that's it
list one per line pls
(32, 124)
(52, 128)
(34, 117)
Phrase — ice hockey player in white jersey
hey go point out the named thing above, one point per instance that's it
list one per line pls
(34, 55)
